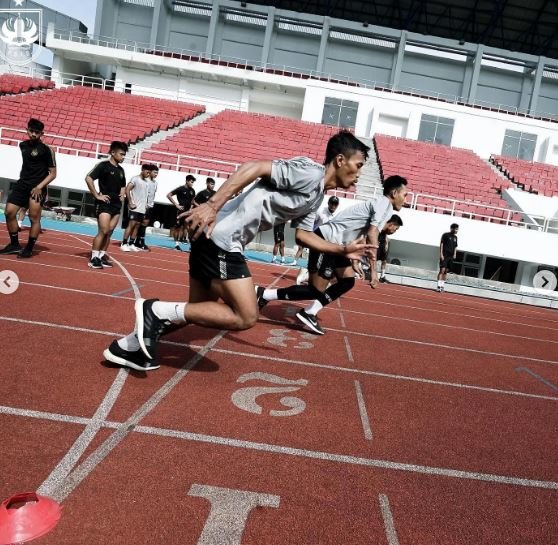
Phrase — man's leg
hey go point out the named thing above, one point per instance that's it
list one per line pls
(13, 247)
(35, 209)
(442, 278)
(282, 251)
(238, 312)
(102, 254)
(274, 253)
(101, 240)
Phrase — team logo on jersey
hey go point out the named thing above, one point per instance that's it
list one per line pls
(34, 152)
(20, 29)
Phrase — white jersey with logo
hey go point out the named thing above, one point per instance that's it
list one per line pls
(293, 192)
(138, 192)
(354, 221)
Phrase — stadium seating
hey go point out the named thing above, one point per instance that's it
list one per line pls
(533, 177)
(94, 115)
(11, 84)
(436, 170)
(231, 137)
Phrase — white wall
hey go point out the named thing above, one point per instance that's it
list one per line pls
(479, 130)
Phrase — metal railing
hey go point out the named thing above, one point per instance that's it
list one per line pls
(290, 71)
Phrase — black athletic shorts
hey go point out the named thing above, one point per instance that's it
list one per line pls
(325, 264)
(21, 193)
(180, 222)
(135, 216)
(446, 263)
(113, 207)
(382, 255)
(209, 262)
(279, 233)
(148, 214)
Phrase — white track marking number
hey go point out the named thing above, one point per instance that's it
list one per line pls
(247, 398)
(286, 337)
(229, 512)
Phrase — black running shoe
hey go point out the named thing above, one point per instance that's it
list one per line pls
(134, 360)
(105, 262)
(11, 249)
(149, 327)
(310, 321)
(260, 298)
(384, 280)
(25, 253)
(95, 263)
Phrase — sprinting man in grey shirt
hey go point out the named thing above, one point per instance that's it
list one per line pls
(287, 190)
(365, 218)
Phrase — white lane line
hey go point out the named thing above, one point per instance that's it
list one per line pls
(43, 415)
(363, 412)
(276, 359)
(348, 459)
(348, 349)
(389, 525)
(127, 427)
(487, 332)
(83, 470)
(445, 346)
(533, 324)
(458, 327)
(80, 291)
(66, 465)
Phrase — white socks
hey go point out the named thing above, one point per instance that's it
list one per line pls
(314, 307)
(270, 295)
(129, 343)
(95, 253)
(440, 283)
(173, 312)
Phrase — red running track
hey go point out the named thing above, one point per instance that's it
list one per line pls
(418, 419)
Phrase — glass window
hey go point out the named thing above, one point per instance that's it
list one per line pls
(340, 113)
(438, 130)
(520, 145)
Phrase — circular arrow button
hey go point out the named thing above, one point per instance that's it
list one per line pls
(545, 280)
(9, 282)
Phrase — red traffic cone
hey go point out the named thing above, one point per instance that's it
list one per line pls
(27, 516)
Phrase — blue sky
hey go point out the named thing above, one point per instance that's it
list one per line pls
(83, 10)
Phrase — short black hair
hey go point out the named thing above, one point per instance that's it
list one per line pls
(333, 200)
(116, 145)
(454, 226)
(210, 181)
(190, 178)
(154, 168)
(35, 125)
(344, 143)
(395, 219)
(393, 182)
(147, 167)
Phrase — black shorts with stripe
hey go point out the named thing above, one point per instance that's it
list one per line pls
(209, 262)
(113, 207)
(136, 216)
(21, 193)
(325, 264)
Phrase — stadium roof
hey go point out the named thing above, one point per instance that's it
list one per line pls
(525, 26)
